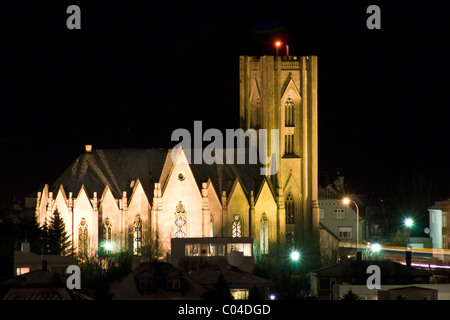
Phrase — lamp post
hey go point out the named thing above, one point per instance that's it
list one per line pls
(408, 224)
(347, 201)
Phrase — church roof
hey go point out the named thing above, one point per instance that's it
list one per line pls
(117, 168)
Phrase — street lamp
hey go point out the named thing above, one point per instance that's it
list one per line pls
(347, 201)
(295, 255)
(408, 224)
(376, 247)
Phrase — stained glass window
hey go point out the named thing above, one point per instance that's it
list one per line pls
(237, 226)
(180, 228)
(264, 235)
(290, 208)
(83, 238)
(137, 234)
(107, 234)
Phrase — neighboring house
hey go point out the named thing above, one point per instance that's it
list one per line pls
(40, 285)
(408, 293)
(156, 281)
(439, 215)
(26, 261)
(190, 252)
(338, 218)
(354, 272)
(395, 292)
(241, 282)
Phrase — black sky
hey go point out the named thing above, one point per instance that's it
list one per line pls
(136, 72)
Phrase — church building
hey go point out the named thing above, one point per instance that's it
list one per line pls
(139, 199)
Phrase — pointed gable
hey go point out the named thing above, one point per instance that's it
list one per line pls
(139, 203)
(238, 204)
(61, 203)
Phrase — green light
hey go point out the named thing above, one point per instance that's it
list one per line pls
(409, 222)
(107, 245)
(295, 255)
(376, 247)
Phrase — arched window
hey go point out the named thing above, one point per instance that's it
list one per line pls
(211, 225)
(237, 226)
(180, 220)
(289, 112)
(137, 235)
(83, 238)
(107, 235)
(290, 208)
(264, 235)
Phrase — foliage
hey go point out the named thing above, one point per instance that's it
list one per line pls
(289, 278)
(98, 274)
(54, 238)
(400, 238)
(350, 295)
(220, 291)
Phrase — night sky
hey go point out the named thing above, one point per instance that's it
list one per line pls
(136, 72)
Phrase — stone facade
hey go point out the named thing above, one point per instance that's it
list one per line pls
(139, 199)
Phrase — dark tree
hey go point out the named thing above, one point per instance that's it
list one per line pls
(220, 290)
(55, 238)
(350, 295)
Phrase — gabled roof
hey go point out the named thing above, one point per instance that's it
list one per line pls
(389, 267)
(116, 168)
(235, 277)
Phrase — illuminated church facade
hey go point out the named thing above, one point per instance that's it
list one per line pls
(139, 199)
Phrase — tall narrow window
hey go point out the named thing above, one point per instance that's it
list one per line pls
(289, 112)
(83, 238)
(137, 235)
(107, 235)
(264, 235)
(290, 208)
(289, 144)
(211, 226)
(180, 228)
(237, 226)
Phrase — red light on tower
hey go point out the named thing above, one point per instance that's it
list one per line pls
(277, 45)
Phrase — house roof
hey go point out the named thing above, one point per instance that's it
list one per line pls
(438, 205)
(387, 267)
(235, 277)
(116, 168)
(21, 257)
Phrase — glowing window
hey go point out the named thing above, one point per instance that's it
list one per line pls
(137, 235)
(237, 226)
(83, 238)
(264, 235)
(180, 228)
(239, 294)
(107, 234)
(211, 226)
(22, 270)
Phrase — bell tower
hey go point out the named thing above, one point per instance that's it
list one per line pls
(281, 93)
